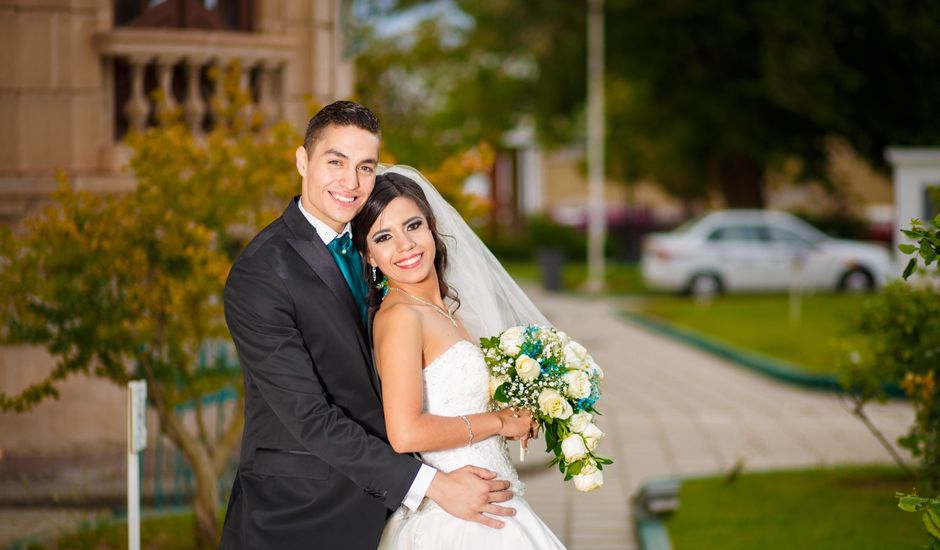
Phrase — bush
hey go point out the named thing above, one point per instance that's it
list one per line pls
(902, 325)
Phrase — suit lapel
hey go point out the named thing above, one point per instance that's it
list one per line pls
(319, 259)
(315, 254)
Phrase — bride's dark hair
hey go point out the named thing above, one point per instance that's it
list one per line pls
(388, 187)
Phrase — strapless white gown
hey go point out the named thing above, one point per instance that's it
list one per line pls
(457, 382)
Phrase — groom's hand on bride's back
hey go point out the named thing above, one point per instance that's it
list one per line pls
(469, 492)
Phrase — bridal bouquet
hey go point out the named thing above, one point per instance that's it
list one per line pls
(542, 370)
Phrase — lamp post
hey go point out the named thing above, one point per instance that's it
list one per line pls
(597, 216)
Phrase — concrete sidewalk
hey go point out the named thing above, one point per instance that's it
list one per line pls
(672, 410)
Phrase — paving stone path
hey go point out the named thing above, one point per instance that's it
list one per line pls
(673, 410)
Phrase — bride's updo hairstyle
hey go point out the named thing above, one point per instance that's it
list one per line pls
(388, 187)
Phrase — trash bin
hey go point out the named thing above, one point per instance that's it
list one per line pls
(551, 262)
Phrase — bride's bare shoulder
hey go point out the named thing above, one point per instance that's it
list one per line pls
(396, 318)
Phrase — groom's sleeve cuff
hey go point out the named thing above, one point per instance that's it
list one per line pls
(419, 487)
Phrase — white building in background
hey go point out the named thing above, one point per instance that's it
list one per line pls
(916, 171)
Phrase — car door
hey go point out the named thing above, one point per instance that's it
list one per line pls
(797, 260)
(739, 256)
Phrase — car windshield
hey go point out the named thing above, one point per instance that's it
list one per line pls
(688, 224)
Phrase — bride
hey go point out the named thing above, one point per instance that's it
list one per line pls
(435, 384)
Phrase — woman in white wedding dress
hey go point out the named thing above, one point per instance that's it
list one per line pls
(435, 384)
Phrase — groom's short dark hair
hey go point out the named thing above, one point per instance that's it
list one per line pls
(340, 113)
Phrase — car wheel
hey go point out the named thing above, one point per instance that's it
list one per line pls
(857, 280)
(704, 285)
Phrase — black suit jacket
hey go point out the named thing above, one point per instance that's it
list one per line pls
(316, 469)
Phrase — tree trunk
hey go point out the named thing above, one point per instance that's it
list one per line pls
(742, 182)
(205, 498)
(206, 503)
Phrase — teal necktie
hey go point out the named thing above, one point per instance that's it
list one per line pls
(349, 263)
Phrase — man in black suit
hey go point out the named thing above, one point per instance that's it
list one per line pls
(316, 469)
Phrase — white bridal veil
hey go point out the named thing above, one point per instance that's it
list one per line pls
(490, 301)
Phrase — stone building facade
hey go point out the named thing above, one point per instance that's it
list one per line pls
(75, 75)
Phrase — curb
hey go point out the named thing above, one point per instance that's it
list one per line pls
(774, 368)
(652, 503)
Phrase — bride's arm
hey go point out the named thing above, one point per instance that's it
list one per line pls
(398, 357)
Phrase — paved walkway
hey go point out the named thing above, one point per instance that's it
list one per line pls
(673, 410)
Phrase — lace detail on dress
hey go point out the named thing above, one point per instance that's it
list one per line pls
(457, 382)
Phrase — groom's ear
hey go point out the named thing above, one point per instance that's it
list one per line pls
(301, 161)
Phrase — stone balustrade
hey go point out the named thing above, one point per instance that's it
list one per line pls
(178, 63)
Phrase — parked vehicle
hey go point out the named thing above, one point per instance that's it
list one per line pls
(759, 250)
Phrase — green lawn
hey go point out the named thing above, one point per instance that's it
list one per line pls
(761, 324)
(165, 532)
(619, 278)
(808, 510)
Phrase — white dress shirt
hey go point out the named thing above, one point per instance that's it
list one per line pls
(419, 487)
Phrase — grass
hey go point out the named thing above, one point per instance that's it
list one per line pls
(813, 509)
(761, 324)
(163, 532)
(619, 278)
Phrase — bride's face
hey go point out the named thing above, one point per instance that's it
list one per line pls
(400, 243)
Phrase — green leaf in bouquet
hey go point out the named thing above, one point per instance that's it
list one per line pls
(561, 467)
(501, 393)
(491, 342)
(576, 467)
(603, 460)
(551, 440)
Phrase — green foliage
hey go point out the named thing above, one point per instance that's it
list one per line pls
(931, 513)
(902, 329)
(701, 94)
(114, 283)
(927, 238)
(129, 285)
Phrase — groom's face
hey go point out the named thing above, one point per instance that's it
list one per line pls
(338, 174)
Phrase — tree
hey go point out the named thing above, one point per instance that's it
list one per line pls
(129, 285)
(701, 94)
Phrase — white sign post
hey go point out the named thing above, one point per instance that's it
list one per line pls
(136, 441)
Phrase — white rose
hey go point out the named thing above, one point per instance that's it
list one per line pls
(527, 368)
(496, 382)
(510, 340)
(592, 436)
(579, 421)
(588, 482)
(573, 448)
(575, 355)
(562, 338)
(578, 384)
(552, 404)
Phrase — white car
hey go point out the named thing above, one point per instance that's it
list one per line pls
(759, 250)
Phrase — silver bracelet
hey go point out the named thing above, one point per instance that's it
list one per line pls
(469, 429)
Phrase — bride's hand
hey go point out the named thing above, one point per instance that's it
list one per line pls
(515, 423)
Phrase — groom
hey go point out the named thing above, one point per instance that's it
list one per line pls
(316, 469)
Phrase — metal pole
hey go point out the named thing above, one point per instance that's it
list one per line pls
(136, 441)
(597, 220)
